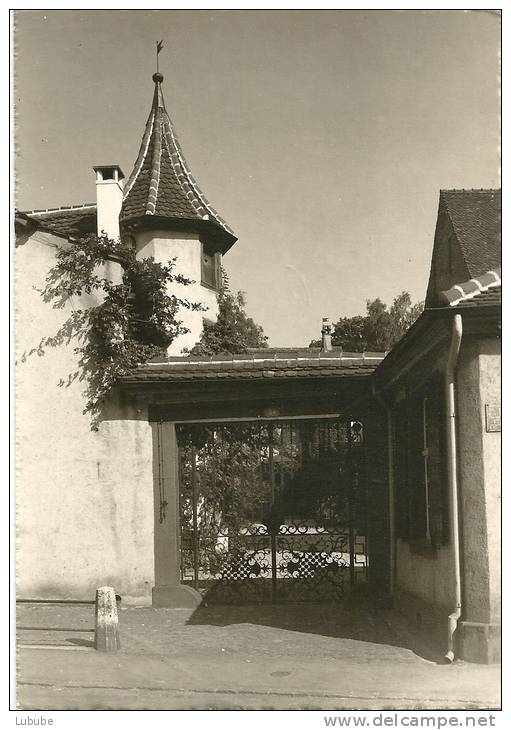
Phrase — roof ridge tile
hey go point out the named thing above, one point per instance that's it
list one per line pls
(472, 288)
(62, 208)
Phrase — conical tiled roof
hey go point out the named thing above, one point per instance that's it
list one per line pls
(161, 184)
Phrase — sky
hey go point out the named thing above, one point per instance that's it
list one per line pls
(322, 137)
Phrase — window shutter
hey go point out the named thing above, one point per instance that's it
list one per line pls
(209, 268)
(401, 472)
(416, 481)
(437, 462)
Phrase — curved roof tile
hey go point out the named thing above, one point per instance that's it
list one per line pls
(486, 289)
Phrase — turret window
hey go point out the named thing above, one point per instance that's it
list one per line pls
(210, 268)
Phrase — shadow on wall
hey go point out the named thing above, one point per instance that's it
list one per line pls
(121, 406)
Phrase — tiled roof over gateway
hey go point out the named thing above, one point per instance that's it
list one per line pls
(161, 184)
(476, 218)
(258, 364)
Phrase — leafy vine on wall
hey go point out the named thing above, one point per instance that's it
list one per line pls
(125, 323)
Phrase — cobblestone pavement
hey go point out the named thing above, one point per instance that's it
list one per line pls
(300, 656)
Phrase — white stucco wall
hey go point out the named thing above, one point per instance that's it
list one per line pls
(428, 578)
(490, 388)
(84, 499)
(479, 468)
(164, 246)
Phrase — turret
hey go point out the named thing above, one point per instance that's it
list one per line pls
(168, 216)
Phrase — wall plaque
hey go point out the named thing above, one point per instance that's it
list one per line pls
(492, 417)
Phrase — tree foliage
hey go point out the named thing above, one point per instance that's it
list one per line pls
(127, 323)
(233, 332)
(233, 490)
(379, 329)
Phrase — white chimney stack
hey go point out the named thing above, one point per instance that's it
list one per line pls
(326, 335)
(109, 190)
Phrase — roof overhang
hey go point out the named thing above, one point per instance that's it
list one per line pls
(203, 400)
(220, 239)
(244, 388)
(24, 225)
(24, 222)
(428, 337)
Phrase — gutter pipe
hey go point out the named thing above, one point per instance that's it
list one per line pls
(390, 461)
(452, 475)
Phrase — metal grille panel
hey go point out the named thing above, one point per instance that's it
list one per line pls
(271, 511)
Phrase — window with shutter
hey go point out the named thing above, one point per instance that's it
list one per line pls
(210, 268)
(420, 466)
(437, 463)
(402, 502)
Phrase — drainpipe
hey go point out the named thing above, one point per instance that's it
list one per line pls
(390, 462)
(452, 475)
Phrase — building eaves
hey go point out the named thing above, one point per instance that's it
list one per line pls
(430, 331)
(71, 220)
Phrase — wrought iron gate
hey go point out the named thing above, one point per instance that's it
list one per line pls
(272, 511)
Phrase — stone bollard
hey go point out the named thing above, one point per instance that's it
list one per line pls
(107, 622)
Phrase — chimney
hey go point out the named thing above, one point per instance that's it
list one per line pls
(326, 335)
(109, 190)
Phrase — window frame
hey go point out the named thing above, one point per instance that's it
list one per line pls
(421, 467)
(217, 271)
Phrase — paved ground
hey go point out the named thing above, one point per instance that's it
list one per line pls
(254, 657)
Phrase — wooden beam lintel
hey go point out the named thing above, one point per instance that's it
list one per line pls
(181, 393)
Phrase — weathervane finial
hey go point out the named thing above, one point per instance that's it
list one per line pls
(159, 46)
